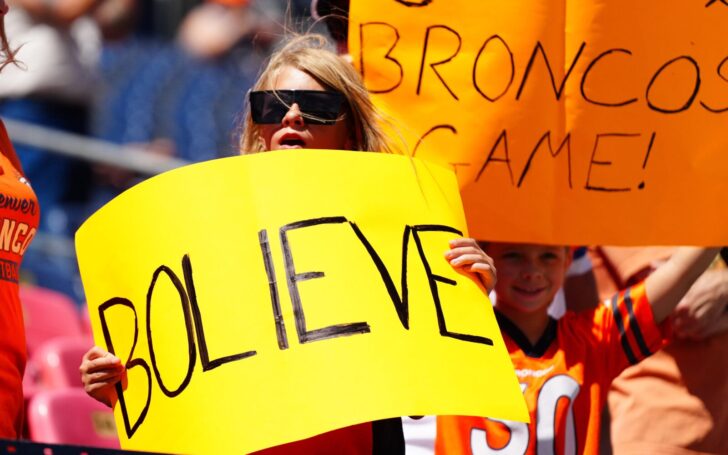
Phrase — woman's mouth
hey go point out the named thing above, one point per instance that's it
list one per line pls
(292, 142)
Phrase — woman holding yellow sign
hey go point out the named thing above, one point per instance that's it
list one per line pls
(19, 211)
(310, 98)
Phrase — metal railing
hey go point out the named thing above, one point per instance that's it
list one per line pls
(94, 150)
(88, 149)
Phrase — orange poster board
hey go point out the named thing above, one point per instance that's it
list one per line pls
(567, 122)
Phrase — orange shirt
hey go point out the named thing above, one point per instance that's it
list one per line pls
(689, 377)
(689, 417)
(565, 377)
(19, 215)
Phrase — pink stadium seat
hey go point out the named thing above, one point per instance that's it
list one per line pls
(48, 314)
(86, 321)
(30, 387)
(55, 362)
(30, 379)
(69, 416)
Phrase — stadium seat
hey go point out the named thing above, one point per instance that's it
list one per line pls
(56, 362)
(86, 322)
(30, 379)
(48, 314)
(69, 416)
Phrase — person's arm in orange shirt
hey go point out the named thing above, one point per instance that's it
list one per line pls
(667, 285)
(704, 309)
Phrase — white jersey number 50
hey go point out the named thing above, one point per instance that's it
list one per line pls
(555, 388)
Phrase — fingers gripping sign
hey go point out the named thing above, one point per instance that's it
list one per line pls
(465, 255)
(100, 372)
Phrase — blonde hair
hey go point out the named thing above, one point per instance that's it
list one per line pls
(312, 54)
(7, 55)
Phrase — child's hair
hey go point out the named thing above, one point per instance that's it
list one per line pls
(312, 54)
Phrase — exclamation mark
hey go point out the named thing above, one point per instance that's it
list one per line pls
(647, 157)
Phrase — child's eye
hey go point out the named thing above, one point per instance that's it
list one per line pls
(549, 256)
(511, 255)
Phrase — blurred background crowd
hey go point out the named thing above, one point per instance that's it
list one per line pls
(149, 84)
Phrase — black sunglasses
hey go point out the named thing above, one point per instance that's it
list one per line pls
(317, 107)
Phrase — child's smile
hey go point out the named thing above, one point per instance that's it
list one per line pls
(528, 275)
(530, 293)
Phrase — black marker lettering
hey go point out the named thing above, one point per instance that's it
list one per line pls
(590, 68)
(712, 2)
(547, 138)
(592, 162)
(696, 86)
(191, 351)
(130, 363)
(506, 159)
(416, 4)
(641, 186)
(475, 69)
(434, 279)
(207, 364)
(557, 91)
(649, 149)
(305, 335)
(401, 304)
(719, 70)
(441, 62)
(273, 289)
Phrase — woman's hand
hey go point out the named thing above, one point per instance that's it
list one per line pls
(467, 256)
(100, 371)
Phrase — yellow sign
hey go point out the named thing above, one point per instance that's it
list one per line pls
(263, 299)
(568, 122)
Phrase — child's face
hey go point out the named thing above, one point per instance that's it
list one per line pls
(528, 275)
(293, 131)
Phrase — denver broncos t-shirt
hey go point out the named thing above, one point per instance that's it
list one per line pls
(19, 214)
(565, 377)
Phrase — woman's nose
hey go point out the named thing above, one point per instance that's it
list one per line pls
(293, 117)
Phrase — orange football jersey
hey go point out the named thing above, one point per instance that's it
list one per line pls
(19, 215)
(565, 377)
